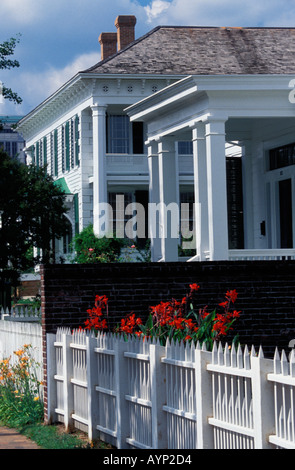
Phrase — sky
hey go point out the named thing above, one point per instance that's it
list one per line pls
(60, 37)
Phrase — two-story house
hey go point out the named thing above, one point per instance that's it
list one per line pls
(84, 133)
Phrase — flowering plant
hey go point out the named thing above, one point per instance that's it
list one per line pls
(20, 389)
(173, 320)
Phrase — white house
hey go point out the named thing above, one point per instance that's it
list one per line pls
(153, 122)
(258, 113)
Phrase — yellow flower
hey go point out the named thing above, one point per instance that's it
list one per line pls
(36, 398)
(19, 352)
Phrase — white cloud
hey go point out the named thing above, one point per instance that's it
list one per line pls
(155, 9)
(222, 13)
(35, 87)
(43, 84)
(20, 11)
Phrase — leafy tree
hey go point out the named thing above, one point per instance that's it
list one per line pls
(7, 50)
(32, 213)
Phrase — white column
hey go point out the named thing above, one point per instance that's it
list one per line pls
(217, 196)
(169, 199)
(100, 215)
(200, 190)
(154, 198)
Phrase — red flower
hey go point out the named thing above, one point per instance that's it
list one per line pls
(232, 295)
(194, 287)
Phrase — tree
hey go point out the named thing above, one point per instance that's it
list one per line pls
(7, 50)
(32, 213)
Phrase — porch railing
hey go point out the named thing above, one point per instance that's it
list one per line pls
(263, 255)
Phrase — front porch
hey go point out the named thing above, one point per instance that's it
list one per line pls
(256, 114)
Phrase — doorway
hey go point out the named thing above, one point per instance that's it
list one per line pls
(286, 219)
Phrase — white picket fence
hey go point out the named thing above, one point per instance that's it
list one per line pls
(138, 394)
(21, 326)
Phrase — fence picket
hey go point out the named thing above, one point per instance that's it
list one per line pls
(143, 395)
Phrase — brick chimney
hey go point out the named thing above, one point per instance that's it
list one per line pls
(108, 43)
(125, 25)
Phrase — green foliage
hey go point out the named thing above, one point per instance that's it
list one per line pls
(91, 249)
(32, 213)
(6, 50)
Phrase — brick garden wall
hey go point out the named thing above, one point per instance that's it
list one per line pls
(266, 295)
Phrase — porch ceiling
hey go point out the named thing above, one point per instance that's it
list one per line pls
(238, 129)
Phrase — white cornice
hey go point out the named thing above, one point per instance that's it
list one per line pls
(73, 92)
(192, 85)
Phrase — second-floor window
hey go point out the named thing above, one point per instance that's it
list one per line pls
(70, 144)
(123, 136)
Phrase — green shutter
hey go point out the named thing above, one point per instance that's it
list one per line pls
(76, 208)
(33, 154)
(45, 151)
(67, 145)
(37, 154)
(55, 154)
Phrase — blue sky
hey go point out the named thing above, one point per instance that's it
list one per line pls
(60, 37)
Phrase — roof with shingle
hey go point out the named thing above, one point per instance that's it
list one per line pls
(205, 51)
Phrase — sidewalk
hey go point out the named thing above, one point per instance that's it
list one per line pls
(12, 439)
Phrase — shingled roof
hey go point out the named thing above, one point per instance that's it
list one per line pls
(205, 51)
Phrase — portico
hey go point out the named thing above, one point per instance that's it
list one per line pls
(257, 113)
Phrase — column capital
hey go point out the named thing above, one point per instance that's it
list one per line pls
(166, 144)
(198, 131)
(98, 109)
(152, 147)
(215, 126)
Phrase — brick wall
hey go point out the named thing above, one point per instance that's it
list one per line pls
(266, 295)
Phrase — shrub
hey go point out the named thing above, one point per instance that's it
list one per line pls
(91, 249)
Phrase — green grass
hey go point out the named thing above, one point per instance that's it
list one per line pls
(55, 437)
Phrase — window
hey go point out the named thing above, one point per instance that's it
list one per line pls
(77, 135)
(282, 156)
(33, 150)
(137, 137)
(119, 202)
(74, 147)
(37, 154)
(185, 148)
(7, 148)
(123, 136)
(187, 211)
(118, 141)
(67, 238)
(76, 210)
(65, 147)
(70, 144)
(53, 153)
(44, 155)
(14, 149)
